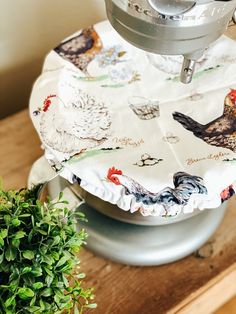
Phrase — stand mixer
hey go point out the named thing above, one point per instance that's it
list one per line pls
(172, 27)
(167, 27)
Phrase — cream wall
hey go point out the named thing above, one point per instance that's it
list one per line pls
(28, 30)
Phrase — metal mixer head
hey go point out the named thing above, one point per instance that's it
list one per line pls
(172, 27)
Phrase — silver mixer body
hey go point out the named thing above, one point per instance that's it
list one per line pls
(172, 27)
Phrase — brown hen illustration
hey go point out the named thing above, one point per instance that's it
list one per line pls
(219, 132)
(81, 49)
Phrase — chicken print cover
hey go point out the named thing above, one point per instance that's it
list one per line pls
(118, 122)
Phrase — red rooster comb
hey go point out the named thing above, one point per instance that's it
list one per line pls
(47, 102)
(112, 171)
(232, 94)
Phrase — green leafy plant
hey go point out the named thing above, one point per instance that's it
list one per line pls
(39, 270)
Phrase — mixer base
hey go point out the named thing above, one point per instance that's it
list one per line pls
(136, 244)
(144, 245)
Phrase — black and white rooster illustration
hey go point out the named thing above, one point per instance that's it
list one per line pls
(184, 186)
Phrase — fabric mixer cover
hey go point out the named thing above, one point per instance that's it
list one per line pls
(118, 121)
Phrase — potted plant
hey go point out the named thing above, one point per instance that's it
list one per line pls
(39, 244)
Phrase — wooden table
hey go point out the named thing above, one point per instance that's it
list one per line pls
(197, 284)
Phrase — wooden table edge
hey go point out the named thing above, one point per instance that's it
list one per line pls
(205, 299)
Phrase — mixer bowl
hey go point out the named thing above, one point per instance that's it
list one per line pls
(113, 211)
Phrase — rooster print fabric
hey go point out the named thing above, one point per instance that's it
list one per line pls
(184, 186)
(119, 121)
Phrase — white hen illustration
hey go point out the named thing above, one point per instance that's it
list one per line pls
(74, 121)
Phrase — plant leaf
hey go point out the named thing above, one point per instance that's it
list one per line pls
(33, 309)
(10, 253)
(91, 306)
(3, 233)
(65, 281)
(55, 255)
(16, 222)
(1, 241)
(47, 292)
(56, 240)
(48, 271)
(37, 271)
(20, 234)
(62, 261)
(25, 293)
(25, 205)
(80, 276)
(75, 310)
(28, 254)
(38, 285)
(10, 301)
(7, 219)
(42, 306)
(60, 196)
(15, 242)
(26, 270)
(48, 259)
(33, 300)
(49, 280)
(42, 232)
(24, 215)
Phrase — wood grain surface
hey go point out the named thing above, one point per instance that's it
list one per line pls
(197, 284)
(228, 308)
